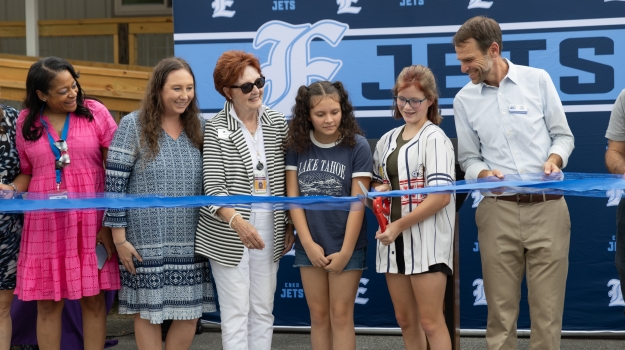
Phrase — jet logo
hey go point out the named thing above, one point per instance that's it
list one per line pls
(362, 290)
(478, 293)
(345, 6)
(219, 8)
(290, 62)
(474, 4)
(615, 294)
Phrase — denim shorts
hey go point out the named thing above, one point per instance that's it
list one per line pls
(358, 261)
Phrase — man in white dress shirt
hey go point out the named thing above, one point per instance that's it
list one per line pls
(510, 120)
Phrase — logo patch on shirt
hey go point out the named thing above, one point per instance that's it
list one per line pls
(223, 134)
(419, 172)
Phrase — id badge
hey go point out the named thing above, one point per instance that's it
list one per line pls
(260, 181)
(517, 109)
(57, 195)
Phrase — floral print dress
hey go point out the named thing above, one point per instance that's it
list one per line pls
(10, 224)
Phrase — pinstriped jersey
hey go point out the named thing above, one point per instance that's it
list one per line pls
(426, 160)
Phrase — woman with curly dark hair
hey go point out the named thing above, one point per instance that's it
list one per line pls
(158, 150)
(327, 155)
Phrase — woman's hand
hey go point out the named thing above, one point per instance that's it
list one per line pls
(105, 237)
(19, 184)
(8, 188)
(289, 239)
(316, 255)
(247, 233)
(382, 187)
(125, 252)
(387, 237)
(338, 261)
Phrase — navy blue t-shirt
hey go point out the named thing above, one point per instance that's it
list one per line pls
(327, 170)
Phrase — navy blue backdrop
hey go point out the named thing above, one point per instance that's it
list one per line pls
(365, 43)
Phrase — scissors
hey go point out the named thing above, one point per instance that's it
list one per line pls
(379, 205)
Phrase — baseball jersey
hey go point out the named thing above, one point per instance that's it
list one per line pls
(426, 160)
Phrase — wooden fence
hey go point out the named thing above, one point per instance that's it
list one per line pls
(119, 87)
(123, 30)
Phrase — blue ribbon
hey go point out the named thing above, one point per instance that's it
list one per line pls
(77, 201)
(575, 184)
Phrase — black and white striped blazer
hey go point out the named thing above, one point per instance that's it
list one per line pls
(228, 170)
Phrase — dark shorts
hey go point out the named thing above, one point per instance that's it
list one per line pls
(358, 261)
(401, 268)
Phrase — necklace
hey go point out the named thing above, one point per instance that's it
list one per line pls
(259, 164)
(55, 121)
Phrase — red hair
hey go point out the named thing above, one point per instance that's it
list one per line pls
(422, 79)
(230, 67)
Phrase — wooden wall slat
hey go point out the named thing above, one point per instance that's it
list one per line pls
(151, 28)
(118, 87)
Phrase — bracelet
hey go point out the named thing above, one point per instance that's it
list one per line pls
(15, 189)
(120, 243)
(232, 218)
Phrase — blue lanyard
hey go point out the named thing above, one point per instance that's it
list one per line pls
(55, 150)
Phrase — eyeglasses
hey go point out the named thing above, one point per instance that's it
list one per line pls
(64, 158)
(248, 87)
(413, 102)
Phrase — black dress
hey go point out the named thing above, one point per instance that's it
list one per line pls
(10, 224)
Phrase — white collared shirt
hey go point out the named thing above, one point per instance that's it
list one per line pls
(512, 128)
(256, 144)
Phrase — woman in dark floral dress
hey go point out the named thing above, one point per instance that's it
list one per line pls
(10, 224)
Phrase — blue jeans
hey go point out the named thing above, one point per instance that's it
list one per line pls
(358, 261)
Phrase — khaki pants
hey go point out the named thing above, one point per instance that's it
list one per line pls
(516, 239)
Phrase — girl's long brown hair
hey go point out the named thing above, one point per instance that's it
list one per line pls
(151, 114)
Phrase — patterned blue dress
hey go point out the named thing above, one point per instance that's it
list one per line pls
(172, 283)
(10, 224)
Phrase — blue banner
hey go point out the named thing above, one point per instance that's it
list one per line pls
(365, 43)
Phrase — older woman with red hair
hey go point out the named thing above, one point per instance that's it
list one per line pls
(243, 155)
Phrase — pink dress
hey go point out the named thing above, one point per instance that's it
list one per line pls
(57, 258)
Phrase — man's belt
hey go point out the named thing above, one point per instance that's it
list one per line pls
(529, 198)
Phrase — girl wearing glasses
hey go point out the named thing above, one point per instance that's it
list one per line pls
(415, 251)
(157, 150)
(327, 156)
(62, 141)
(243, 155)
